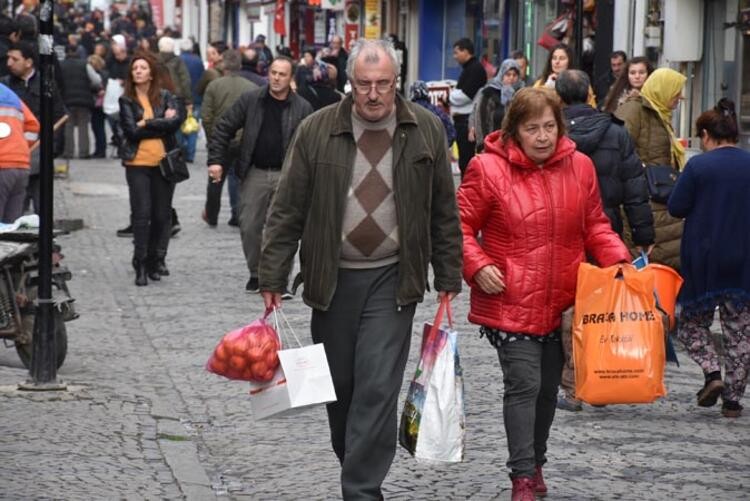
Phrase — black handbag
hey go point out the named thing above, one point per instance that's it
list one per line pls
(173, 166)
(661, 180)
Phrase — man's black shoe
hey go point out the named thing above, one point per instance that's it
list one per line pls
(287, 294)
(125, 232)
(233, 221)
(252, 285)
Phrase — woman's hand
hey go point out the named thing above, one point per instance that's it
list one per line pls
(472, 135)
(141, 123)
(170, 113)
(490, 279)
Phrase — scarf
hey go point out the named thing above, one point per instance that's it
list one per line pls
(506, 91)
(659, 89)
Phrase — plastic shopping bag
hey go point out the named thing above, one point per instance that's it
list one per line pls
(190, 125)
(111, 103)
(302, 379)
(249, 353)
(618, 336)
(432, 424)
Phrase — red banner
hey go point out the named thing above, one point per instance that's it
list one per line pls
(350, 35)
(279, 21)
(157, 12)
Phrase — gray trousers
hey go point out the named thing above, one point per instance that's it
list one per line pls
(81, 118)
(12, 193)
(256, 192)
(531, 376)
(366, 338)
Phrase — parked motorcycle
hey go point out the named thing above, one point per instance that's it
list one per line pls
(19, 283)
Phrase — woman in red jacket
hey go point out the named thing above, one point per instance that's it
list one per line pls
(535, 201)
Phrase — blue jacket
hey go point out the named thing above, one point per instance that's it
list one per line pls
(712, 195)
(195, 70)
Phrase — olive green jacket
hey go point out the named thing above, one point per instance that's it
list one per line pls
(312, 195)
(652, 142)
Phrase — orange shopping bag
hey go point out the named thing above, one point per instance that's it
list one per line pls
(618, 336)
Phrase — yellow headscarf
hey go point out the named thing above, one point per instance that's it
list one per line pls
(660, 88)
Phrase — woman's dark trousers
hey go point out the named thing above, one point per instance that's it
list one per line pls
(531, 376)
(151, 211)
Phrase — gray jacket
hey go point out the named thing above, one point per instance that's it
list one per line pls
(247, 114)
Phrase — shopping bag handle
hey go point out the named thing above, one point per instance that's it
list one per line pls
(443, 309)
(283, 332)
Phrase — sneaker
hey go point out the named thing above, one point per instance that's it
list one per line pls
(125, 232)
(252, 285)
(731, 409)
(540, 488)
(523, 489)
(709, 394)
(568, 403)
(287, 294)
(233, 221)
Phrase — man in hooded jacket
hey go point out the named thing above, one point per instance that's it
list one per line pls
(621, 177)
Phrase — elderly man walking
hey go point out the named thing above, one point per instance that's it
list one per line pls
(220, 95)
(268, 117)
(367, 188)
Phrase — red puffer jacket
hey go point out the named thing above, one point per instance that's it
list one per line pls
(537, 225)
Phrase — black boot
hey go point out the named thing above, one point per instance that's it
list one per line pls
(161, 267)
(141, 273)
(153, 269)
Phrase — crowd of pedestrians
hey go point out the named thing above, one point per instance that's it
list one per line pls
(326, 157)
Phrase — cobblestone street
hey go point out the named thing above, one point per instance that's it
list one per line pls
(142, 419)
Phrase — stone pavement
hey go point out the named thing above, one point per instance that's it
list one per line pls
(142, 419)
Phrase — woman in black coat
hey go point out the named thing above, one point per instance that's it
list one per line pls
(150, 114)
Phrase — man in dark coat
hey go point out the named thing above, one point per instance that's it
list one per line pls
(601, 136)
(81, 83)
(473, 77)
(24, 80)
(622, 183)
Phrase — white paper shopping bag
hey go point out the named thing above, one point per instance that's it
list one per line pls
(303, 378)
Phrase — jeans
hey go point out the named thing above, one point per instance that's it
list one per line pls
(81, 118)
(100, 135)
(366, 338)
(151, 211)
(189, 142)
(12, 193)
(531, 376)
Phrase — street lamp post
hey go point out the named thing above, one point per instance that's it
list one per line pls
(44, 359)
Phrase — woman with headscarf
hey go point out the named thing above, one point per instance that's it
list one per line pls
(491, 101)
(419, 94)
(648, 118)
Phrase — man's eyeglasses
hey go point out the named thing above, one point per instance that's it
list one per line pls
(381, 86)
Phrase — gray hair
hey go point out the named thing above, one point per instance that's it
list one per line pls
(166, 44)
(371, 50)
(231, 60)
(186, 45)
(573, 86)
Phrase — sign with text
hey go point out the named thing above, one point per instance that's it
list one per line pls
(372, 19)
